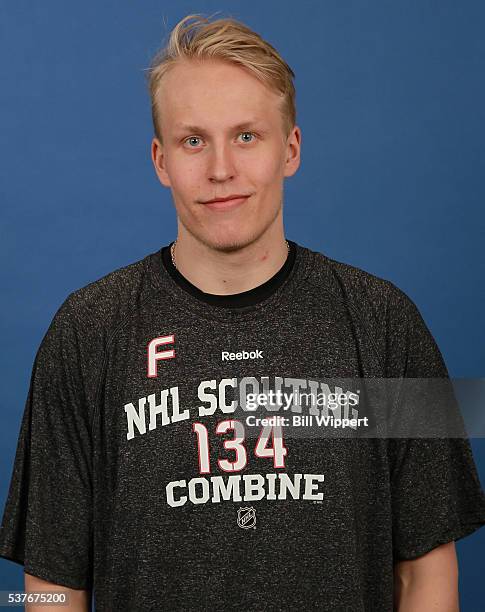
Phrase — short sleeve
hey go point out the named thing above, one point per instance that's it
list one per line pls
(435, 488)
(47, 520)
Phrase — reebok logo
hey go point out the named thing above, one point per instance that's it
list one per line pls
(226, 356)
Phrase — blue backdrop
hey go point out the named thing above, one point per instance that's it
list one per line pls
(391, 103)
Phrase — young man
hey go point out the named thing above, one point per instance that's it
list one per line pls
(143, 474)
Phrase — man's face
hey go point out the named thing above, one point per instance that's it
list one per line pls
(222, 135)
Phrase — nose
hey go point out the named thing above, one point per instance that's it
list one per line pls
(220, 162)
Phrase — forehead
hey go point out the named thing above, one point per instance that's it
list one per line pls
(217, 93)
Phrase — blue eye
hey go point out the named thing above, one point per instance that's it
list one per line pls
(250, 133)
(192, 138)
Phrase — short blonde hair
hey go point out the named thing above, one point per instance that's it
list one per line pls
(230, 40)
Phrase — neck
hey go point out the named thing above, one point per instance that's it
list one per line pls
(226, 273)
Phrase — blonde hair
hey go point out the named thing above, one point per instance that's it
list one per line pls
(230, 40)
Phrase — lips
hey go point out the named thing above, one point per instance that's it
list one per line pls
(234, 196)
(223, 204)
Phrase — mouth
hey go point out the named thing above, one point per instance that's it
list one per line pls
(227, 203)
(222, 204)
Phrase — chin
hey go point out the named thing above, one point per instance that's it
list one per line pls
(229, 243)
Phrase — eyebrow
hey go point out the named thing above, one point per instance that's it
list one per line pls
(184, 127)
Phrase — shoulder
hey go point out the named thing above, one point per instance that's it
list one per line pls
(371, 296)
(381, 312)
(109, 300)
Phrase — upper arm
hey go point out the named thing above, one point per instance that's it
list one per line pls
(436, 494)
(435, 572)
(79, 600)
(48, 518)
(439, 561)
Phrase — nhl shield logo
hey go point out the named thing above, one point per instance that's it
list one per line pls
(246, 518)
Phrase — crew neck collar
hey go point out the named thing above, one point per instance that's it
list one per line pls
(300, 267)
(236, 300)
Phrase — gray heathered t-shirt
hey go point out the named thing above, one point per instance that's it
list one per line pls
(136, 477)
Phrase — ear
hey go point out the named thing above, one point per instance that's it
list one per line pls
(158, 160)
(293, 148)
